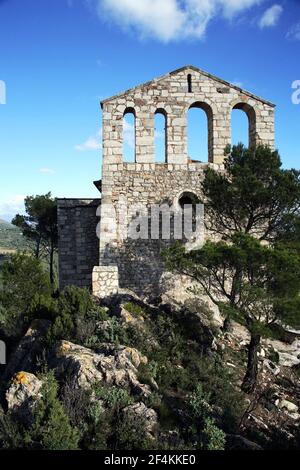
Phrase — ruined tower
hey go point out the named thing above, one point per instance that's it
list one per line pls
(114, 260)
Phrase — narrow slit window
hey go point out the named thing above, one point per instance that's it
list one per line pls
(160, 136)
(189, 81)
(129, 136)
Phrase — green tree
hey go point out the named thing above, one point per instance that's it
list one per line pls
(253, 283)
(250, 273)
(254, 195)
(39, 225)
(24, 283)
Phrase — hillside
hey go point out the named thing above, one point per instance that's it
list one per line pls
(11, 238)
(126, 374)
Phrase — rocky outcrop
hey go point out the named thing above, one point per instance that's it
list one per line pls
(289, 354)
(30, 346)
(147, 416)
(22, 395)
(112, 365)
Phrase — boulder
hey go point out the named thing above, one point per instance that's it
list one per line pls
(289, 354)
(139, 411)
(22, 394)
(30, 346)
(288, 406)
(111, 365)
(271, 366)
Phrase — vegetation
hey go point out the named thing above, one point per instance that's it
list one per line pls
(191, 377)
(254, 282)
(39, 225)
(70, 417)
(24, 287)
(11, 238)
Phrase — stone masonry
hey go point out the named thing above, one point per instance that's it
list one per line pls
(78, 241)
(136, 264)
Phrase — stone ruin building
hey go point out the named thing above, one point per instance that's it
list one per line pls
(112, 261)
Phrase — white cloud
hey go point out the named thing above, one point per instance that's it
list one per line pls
(271, 16)
(128, 134)
(11, 206)
(294, 32)
(169, 20)
(46, 170)
(92, 143)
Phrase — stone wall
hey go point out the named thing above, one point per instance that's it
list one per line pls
(139, 261)
(169, 94)
(105, 281)
(137, 264)
(78, 243)
(145, 182)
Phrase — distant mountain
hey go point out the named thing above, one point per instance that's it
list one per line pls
(4, 225)
(11, 237)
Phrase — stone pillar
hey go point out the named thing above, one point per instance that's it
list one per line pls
(144, 135)
(105, 281)
(112, 128)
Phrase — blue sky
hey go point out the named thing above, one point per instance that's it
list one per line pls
(59, 58)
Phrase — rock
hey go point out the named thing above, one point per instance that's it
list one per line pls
(272, 367)
(287, 405)
(22, 395)
(177, 290)
(128, 317)
(289, 354)
(237, 442)
(262, 353)
(30, 346)
(111, 365)
(148, 415)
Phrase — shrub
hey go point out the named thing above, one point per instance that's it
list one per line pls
(113, 397)
(11, 433)
(51, 428)
(134, 309)
(130, 434)
(24, 284)
(77, 316)
(204, 430)
(199, 403)
(213, 437)
(76, 402)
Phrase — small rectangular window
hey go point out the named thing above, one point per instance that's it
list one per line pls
(189, 80)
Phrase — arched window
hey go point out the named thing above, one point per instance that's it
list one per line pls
(243, 125)
(160, 136)
(129, 135)
(189, 203)
(200, 132)
(189, 83)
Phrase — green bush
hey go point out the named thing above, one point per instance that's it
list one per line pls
(51, 428)
(134, 309)
(11, 433)
(199, 403)
(213, 437)
(130, 435)
(113, 397)
(24, 284)
(77, 316)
